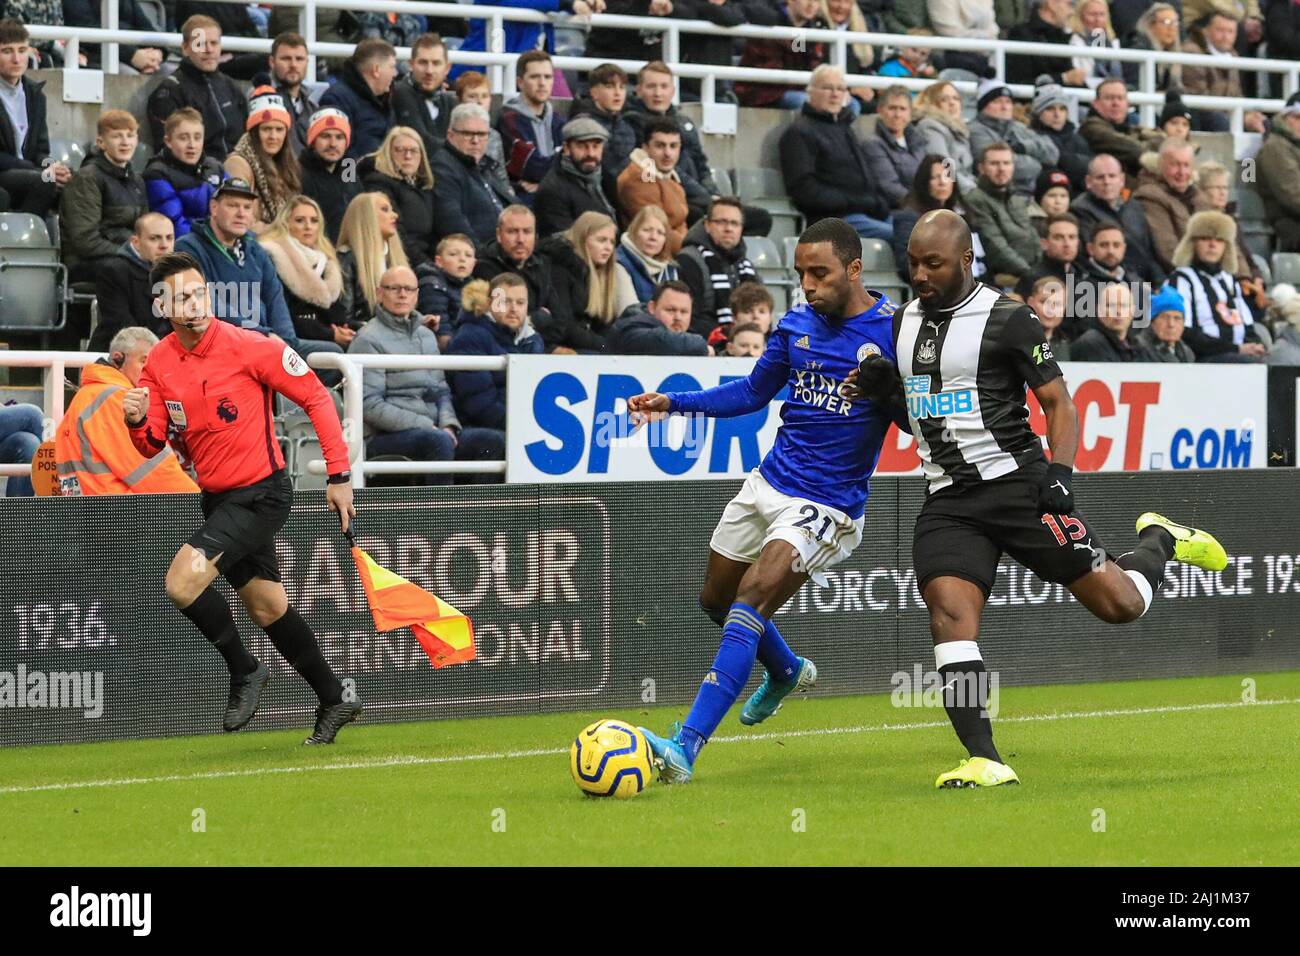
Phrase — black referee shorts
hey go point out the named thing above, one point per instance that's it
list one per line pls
(241, 526)
(963, 532)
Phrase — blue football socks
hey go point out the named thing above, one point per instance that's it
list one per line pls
(741, 635)
(775, 655)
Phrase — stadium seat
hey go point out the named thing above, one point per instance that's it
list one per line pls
(72, 154)
(33, 283)
(764, 187)
(791, 243)
(723, 180)
(766, 257)
(1265, 270)
(1250, 207)
(1286, 267)
(305, 450)
(877, 256)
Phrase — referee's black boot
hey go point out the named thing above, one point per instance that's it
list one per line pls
(245, 696)
(330, 718)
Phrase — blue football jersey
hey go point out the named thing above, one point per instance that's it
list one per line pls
(827, 446)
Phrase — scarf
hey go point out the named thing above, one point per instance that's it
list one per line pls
(590, 183)
(305, 272)
(653, 267)
(647, 165)
(1215, 303)
(954, 123)
(272, 191)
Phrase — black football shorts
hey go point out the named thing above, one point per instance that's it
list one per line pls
(963, 532)
(241, 526)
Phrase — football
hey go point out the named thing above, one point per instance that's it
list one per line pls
(611, 758)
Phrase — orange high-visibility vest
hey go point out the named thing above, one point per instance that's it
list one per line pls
(94, 450)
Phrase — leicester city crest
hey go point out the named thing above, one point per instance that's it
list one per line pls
(870, 348)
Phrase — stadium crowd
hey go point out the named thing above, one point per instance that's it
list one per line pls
(401, 212)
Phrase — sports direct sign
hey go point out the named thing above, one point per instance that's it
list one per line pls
(568, 420)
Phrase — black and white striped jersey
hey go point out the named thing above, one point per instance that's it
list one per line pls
(965, 371)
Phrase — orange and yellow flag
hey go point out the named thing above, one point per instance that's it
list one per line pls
(446, 635)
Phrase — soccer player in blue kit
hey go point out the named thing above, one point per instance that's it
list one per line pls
(800, 511)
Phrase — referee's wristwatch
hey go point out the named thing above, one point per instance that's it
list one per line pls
(342, 478)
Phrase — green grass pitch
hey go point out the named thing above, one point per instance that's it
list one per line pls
(1174, 772)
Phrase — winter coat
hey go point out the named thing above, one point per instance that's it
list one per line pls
(439, 295)
(1167, 214)
(1139, 252)
(531, 142)
(550, 307)
(1278, 173)
(468, 198)
(215, 95)
(1074, 151)
(1282, 29)
(330, 188)
(826, 169)
(622, 133)
(1011, 243)
(949, 138)
(779, 55)
(1032, 150)
(1027, 67)
(1100, 344)
(98, 209)
(411, 108)
(315, 303)
(569, 268)
(238, 270)
(1286, 348)
(564, 195)
(181, 192)
(693, 163)
(481, 396)
(962, 18)
(125, 298)
(640, 333)
(371, 115)
(712, 274)
(1125, 141)
(642, 184)
(35, 147)
(1157, 351)
(414, 206)
(1208, 80)
(516, 37)
(643, 274)
(393, 400)
(893, 167)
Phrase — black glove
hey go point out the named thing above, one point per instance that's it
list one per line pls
(1055, 496)
(878, 380)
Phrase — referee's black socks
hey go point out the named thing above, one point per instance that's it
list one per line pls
(211, 615)
(297, 645)
(1145, 564)
(965, 696)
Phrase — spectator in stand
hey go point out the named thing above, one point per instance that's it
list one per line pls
(1103, 202)
(1278, 168)
(1282, 31)
(662, 329)
(180, 179)
(474, 88)
(1103, 266)
(92, 446)
(847, 15)
(327, 176)
(583, 255)
(1047, 299)
(515, 250)
(420, 98)
(364, 94)
(651, 179)
(1052, 120)
(1090, 27)
(1220, 323)
(1108, 130)
(197, 83)
(996, 123)
(1159, 29)
(369, 245)
(752, 304)
(605, 100)
(1047, 23)
(1286, 346)
(1164, 339)
(1213, 180)
(264, 159)
(24, 136)
(288, 62)
(441, 283)
(713, 263)
(468, 191)
(825, 166)
(897, 147)
(122, 281)
(938, 110)
(400, 170)
(518, 37)
(529, 124)
(971, 19)
(932, 188)
(643, 256)
(21, 428)
(99, 206)
(784, 55)
(411, 412)
(1175, 118)
(399, 29)
(146, 17)
(308, 267)
(1001, 217)
(578, 183)
(1060, 248)
(1169, 199)
(1244, 12)
(614, 44)
(235, 20)
(1052, 193)
(745, 341)
(1108, 340)
(911, 62)
(505, 329)
(1216, 36)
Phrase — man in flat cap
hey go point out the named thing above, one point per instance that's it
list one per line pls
(578, 183)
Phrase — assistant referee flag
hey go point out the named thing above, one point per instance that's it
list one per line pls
(446, 635)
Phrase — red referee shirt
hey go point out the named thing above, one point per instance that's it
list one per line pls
(218, 398)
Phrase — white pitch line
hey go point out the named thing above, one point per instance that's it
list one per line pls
(410, 761)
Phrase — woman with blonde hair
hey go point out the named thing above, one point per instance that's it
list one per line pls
(939, 121)
(643, 254)
(1157, 29)
(847, 15)
(263, 157)
(308, 268)
(369, 245)
(400, 169)
(583, 257)
(1090, 26)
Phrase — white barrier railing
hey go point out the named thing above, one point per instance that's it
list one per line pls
(352, 367)
(501, 65)
(54, 384)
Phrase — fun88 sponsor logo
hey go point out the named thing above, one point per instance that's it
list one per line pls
(922, 403)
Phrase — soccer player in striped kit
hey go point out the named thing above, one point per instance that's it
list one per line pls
(965, 354)
(800, 511)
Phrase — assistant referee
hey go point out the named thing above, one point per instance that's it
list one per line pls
(210, 387)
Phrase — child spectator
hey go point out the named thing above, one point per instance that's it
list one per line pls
(103, 200)
(746, 341)
(181, 179)
(442, 282)
(910, 61)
